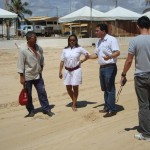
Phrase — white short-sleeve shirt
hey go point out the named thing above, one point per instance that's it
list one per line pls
(106, 47)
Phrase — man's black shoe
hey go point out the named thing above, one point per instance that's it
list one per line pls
(49, 113)
(103, 111)
(30, 115)
(110, 114)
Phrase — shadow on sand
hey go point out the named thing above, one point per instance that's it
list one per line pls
(81, 104)
(119, 107)
(133, 128)
(38, 110)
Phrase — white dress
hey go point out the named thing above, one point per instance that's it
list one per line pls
(71, 58)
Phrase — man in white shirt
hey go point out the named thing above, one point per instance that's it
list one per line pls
(107, 51)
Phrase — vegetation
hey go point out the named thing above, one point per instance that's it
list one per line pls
(20, 9)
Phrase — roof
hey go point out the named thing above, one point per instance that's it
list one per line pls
(38, 18)
(146, 14)
(42, 18)
(76, 24)
(7, 14)
(120, 13)
(85, 13)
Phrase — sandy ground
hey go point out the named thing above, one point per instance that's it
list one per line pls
(85, 129)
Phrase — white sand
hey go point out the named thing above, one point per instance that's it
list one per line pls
(85, 129)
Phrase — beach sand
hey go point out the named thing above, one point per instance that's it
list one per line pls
(85, 129)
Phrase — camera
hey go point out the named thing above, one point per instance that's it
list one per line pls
(124, 81)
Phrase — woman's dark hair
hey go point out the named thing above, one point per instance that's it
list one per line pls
(143, 22)
(103, 27)
(29, 34)
(72, 35)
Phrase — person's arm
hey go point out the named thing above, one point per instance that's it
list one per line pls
(127, 66)
(21, 66)
(85, 58)
(115, 50)
(114, 55)
(60, 69)
(22, 78)
(42, 58)
(93, 56)
(85, 53)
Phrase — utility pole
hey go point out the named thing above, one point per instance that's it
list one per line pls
(70, 6)
(91, 17)
(70, 12)
(57, 19)
(7, 21)
(116, 3)
(6, 4)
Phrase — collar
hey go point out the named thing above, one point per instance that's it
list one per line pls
(105, 38)
(36, 47)
(72, 47)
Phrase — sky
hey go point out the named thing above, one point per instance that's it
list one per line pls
(61, 8)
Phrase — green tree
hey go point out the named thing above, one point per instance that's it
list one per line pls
(20, 9)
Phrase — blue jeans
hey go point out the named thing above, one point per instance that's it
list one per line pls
(107, 81)
(42, 95)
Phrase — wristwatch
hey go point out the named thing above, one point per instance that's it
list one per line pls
(123, 74)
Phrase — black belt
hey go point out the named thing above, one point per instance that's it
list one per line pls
(107, 65)
(72, 69)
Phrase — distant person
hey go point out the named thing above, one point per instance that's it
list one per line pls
(70, 58)
(30, 66)
(139, 47)
(107, 51)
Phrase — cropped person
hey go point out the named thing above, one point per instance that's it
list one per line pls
(30, 66)
(70, 58)
(139, 47)
(107, 51)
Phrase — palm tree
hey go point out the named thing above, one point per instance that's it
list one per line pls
(19, 8)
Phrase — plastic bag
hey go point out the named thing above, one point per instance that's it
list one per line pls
(23, 99)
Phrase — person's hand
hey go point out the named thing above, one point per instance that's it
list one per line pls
(60, 75)
(123, 81)
(106, 57)
(22, 80)
(80, 62)
(87, 56)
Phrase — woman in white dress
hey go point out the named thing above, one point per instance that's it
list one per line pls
(70, 58)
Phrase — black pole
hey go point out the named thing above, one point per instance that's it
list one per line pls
(116, 3)
(91, 17)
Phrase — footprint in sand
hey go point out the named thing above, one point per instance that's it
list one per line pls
(91, 116)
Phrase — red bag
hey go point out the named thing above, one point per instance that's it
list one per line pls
(23, 99)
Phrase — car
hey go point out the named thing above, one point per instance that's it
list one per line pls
(66, 33)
